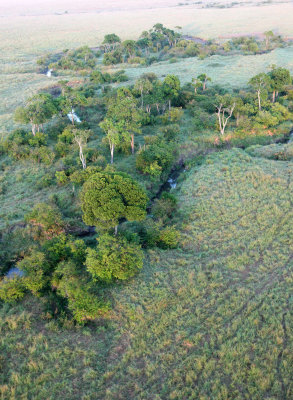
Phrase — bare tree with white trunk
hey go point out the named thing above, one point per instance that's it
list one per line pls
(225, 107)
(81, 137)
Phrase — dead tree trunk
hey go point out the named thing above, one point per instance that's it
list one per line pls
(222, 118)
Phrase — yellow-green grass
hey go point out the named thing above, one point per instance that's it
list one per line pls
(273, 151)
(229, 71)
(210, 320)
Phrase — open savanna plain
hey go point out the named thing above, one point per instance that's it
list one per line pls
(209, 320)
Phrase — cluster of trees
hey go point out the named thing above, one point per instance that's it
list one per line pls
(143, 120)
(157, 44)
(57, 266)
(161, 43)
(80, 59)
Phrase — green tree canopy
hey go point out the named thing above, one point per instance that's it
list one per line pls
(115, 258)
(108, 197)
(38, 110)
(280, 77)
(171, 87)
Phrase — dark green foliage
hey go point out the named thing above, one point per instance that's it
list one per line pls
(107, 198)
(112, 58)
(81, 58)
(155, 159)
(37, 110)
(115, 258)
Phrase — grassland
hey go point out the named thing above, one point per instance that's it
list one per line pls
(210, 320)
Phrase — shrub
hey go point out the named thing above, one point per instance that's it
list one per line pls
(40, 139)
(35, 267)
(170, 132)
(165, 206)
(173, 115)
(12, 289)
(45, 181)
(155, 159)
(168, 238)
(115, 258)
(61, 177)
(46, 221)
(43, 154)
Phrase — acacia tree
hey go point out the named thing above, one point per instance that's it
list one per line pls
(129, 46)
(80, 137)
(196, 84)
(38, 110)
(225, 107)
(109, 197)
(261, 83)
(171, 87)
(280, 77)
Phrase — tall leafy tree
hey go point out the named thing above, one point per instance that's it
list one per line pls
(38, 110)
(280, 77)
(225, 107)
(142, 86)
(171, 86)
(113, 134)
(203, 78)
(70, 99)
(109, 197)
(111, 41)
(123, 119)
(261, 83)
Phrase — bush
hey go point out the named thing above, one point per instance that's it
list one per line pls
(35, 267)
(170, 132)
(12, 289)
(46, 181)
(40, 139)
(168, 238)
(165, 206)
(46, 221)
(173, 115)
(115, 258)
(43, 154)
(61, 177)
(156, 159)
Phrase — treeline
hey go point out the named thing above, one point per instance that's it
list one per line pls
(157, 44)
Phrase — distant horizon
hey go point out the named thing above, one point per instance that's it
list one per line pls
(40, 7)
